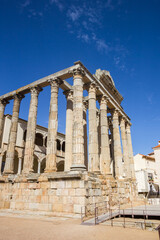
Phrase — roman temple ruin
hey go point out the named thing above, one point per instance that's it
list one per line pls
(94, 168)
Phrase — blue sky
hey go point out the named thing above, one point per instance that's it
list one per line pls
(40, 37)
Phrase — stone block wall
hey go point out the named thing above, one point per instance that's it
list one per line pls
(62, 193)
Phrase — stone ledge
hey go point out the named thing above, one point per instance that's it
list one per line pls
(64, 175)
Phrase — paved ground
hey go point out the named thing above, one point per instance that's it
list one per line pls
(21, 227)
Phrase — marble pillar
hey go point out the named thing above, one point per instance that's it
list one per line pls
(39, 167)
(125, 147)
(19, 165)
(117, 145)
(69, 130)
(31, 131)
(2, 108)
(104, 134)
(130, 152)
(94, 165)
(85, 107)
(52, 127)
(78, 133)
(9, 165)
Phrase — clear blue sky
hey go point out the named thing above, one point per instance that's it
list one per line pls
(40, 37)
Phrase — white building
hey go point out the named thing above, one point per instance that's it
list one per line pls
(147, 170)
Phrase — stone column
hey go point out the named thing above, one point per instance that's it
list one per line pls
(2, 108)
(78, 134)
(130, 151)
(125, 147)
(69, 130)
(1, 159)
(52, 127)
(31, 131)
(85, 106)
(19, 165)
(9, 165)
(39, 167)
(105, 151)
(117, 145)
(94, 164)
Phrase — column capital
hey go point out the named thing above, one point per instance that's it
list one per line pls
(92, 86)
(122, 121)
(4, 102)
(78, 72)
(103, 99)
(35, 90)
(55, 82)
(128, 126)
(115, 113)
(18, 97)
(68, 94)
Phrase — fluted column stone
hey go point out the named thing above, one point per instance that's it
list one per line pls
(9, 165)
(130, 151)
(117, 145)
(94, 164)
(85, 106)
(125, 147)
(31, 131)
(69, 130)
(104, 134)
(78, 134)
(52, 127)
(2, 108)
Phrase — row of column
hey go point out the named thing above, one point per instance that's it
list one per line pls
(76, 131)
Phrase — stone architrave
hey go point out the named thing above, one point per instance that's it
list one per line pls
(117, 145)
(85, 106)
(105, 151)
(2, 108)
(52, 127)
(130, 151)
(94, 165)
(69, 130)
(125, 147)
(31, 131)
(78, 133)
(9, 165)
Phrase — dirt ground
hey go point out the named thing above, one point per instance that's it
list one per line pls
(21, 228)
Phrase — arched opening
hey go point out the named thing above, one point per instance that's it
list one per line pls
(60, 166)
(58, 145)
(24, 135)
(63, 146)
(35, 164)
(43, 165)
(39, 139)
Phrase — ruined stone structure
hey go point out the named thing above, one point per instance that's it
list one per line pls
(95, 170)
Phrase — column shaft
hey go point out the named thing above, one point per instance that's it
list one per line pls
(85, 106)
(52, 127)
(2, 108)
(19, 165)
(31, 131)
(125, 148)
(117, 145)
(130, 151)
(105, 151)
(39, 167)
(78, 134)
(93, 132)
(9, 165)
(69, 130)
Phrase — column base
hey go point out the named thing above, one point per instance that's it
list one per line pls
(8, 172)
(78, 167)
(50, 170)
